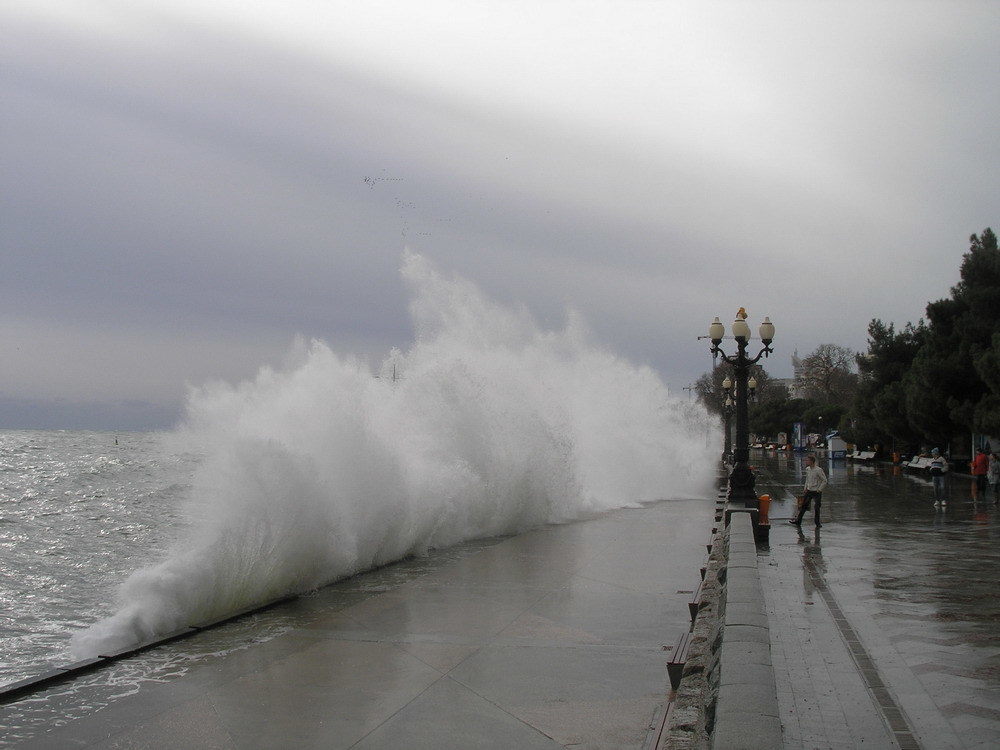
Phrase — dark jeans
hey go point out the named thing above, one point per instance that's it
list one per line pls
(806, 501)
(938, 480)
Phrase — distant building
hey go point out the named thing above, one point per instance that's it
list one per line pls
(789, 384)
(794, 383)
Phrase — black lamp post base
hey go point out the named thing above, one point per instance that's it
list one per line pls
(742, 498)
(742, 485)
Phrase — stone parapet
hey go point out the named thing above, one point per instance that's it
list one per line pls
(727, 698)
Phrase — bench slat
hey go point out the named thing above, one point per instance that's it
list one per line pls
(675, 667)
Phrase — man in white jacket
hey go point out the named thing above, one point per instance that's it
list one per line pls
(815, 484)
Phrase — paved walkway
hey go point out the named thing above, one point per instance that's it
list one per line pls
(551, 639)
(884, 622)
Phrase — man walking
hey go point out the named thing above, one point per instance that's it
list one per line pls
(815, 484)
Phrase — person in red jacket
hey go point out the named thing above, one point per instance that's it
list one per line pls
(980, 467)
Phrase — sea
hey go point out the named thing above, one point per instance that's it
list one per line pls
(327, 467)
(79, 512)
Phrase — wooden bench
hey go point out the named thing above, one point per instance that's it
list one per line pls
(678, 658)
(695, 604)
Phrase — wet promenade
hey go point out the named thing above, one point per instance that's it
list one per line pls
(554, 638)
(884, 630)
(885, 623)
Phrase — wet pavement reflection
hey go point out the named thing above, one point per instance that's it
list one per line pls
(552, 638)
(901, 590)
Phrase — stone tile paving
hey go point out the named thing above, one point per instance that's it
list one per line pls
(822, 698)
(885, 621)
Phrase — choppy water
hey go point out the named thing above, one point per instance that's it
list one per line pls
(79, 511)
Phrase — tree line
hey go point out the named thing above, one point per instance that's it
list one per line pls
(935, 382)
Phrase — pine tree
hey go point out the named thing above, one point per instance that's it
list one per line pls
(952, 386)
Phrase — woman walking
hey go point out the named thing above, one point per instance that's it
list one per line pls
(939, 466)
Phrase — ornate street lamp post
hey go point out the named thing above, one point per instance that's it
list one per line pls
(741, 479)
(728, 407)
(727, 414)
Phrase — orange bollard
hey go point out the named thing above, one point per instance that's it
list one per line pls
(763, 505)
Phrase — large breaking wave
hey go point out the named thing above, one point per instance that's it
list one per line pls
(487, 425)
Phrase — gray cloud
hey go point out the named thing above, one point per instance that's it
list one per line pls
(184, 191)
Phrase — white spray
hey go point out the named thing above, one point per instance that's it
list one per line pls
(321, 471)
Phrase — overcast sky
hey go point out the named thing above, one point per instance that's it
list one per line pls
(186, 186)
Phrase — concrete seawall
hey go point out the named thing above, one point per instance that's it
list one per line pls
(746, 712)
(727, 698)
(13, 691)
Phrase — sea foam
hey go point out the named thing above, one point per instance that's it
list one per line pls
(487, 425)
